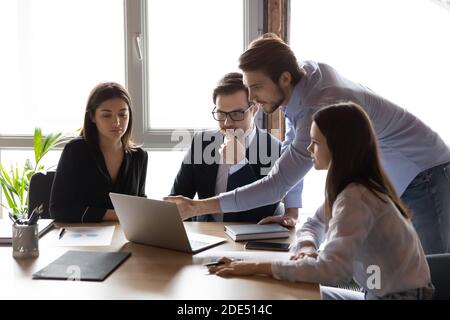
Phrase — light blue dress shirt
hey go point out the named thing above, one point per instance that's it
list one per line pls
(407, 145)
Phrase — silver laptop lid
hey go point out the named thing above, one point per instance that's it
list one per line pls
(152, 222)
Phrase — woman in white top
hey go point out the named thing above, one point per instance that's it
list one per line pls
(367, 230)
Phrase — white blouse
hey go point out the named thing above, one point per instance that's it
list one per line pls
(367, 239)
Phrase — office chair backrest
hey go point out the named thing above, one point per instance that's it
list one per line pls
(40, 189)
(439, 268)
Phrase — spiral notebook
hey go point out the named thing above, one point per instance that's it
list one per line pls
(83, 265)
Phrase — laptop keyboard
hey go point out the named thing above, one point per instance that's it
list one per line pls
(197, 244)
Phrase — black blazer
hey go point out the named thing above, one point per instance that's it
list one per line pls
(80, 191)
(198, 172)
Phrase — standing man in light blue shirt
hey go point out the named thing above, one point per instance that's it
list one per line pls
(415, 158)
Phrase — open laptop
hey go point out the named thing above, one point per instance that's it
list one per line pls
(157, 223)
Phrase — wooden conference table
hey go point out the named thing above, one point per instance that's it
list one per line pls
(150, 273)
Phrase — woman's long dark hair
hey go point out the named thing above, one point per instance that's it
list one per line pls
(101, 93)
(354, 153)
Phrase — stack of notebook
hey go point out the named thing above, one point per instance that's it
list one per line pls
(256, 231)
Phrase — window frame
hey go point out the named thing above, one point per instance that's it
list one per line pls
(136, 77)
(136, 82)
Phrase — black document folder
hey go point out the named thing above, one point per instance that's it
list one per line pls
(82, 265)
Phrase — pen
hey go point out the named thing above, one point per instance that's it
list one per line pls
(13, 219)
(218, 263)
(35, 215)
(61, 233)
(213, 264)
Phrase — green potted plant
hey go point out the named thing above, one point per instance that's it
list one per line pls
(15, 182)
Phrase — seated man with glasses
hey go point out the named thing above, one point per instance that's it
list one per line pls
(237, 154)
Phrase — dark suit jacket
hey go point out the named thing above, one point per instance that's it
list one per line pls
(198, 172)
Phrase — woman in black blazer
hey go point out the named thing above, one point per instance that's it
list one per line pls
(101, 160)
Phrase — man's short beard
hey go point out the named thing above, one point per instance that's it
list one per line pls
(274, 106)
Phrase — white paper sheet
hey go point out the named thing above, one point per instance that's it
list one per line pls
(210, 255)
(85, 236)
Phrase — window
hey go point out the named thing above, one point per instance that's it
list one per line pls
(187, 58)
(399, 49)
(57, 51)
(169, 54)
(177, 52)
(159, 182)
(13, 157)
(18, 158)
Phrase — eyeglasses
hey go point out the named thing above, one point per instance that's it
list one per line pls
(234, 115)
